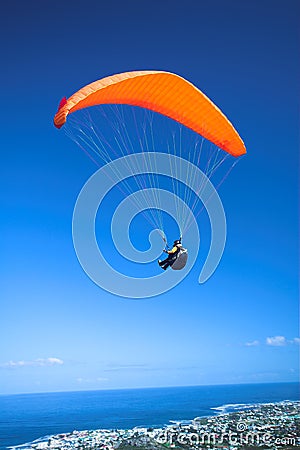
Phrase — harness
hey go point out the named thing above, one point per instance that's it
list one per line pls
(180, 259)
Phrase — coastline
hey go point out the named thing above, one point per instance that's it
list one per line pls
(265, 425)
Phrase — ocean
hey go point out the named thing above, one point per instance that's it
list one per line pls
(26, 417)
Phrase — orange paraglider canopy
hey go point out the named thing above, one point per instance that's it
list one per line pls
(162, 92)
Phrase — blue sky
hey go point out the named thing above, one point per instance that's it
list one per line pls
(59, 331)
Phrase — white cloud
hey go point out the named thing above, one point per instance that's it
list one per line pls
(47, 362)
(91, 380)
(40, 362)
(252, 343)
(276, 341)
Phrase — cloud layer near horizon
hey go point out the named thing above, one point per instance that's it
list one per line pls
(39, 362)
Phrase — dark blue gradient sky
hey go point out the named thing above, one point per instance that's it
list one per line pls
(245, 57)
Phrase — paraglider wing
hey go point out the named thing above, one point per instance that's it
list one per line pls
(162, 92)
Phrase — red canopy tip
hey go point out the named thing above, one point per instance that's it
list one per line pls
(62, 103)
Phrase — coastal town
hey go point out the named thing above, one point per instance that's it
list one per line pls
(264, 426)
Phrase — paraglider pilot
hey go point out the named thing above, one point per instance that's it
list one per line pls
(172, 255)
